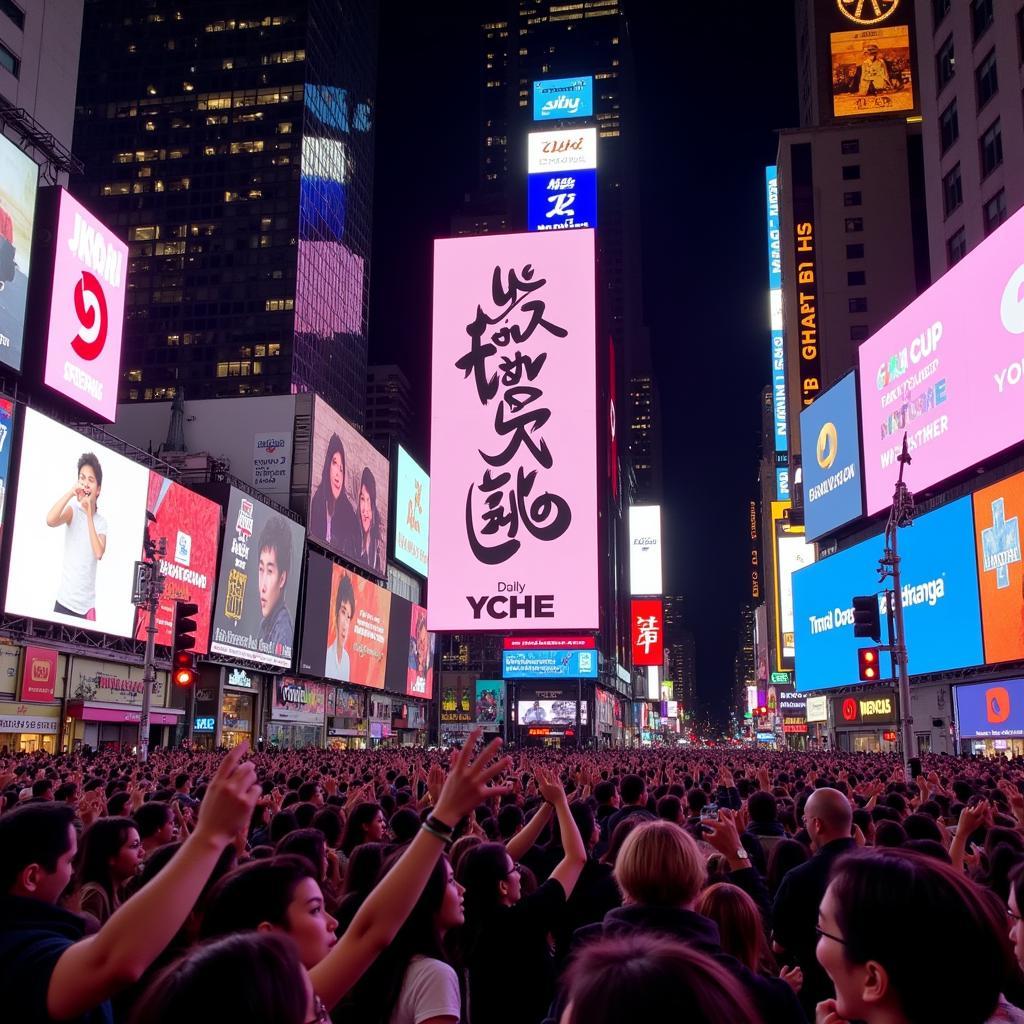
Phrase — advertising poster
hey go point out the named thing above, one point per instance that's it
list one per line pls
(83, 344)
(645, 549)
(19, 179)
(298, 700)
(489, 708)
(998, 520)
(791, 553)
(348, 499)
(258, 584)
(871, 71)
(948, 370)
(547, 712)
(553, 664)
(412, 513)
(272, 462)
(940, 598)
(830, 442)
(6, 441)
(190, 524)
(574, 149)
(513, 524)
(647, 618)
(990, 709)
(557, 99)
(557, 200)
(78, 526)
(457, 694)
(410, 651)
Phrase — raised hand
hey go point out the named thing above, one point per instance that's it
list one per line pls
(230, 798)
(469, 779)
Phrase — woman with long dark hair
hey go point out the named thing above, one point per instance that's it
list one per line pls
(332, 519)
(110, 856)
(365, 824)
(369, 523)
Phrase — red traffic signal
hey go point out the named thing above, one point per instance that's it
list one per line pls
(762, 711)
(183, 665)
(183, 672)
(868, 666)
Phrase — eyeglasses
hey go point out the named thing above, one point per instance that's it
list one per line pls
(822, 934)
(321, 1013)
(517, 868)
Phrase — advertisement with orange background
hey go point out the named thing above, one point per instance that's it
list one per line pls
(367, 643)
(998, 522)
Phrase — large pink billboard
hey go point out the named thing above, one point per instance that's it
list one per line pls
(513, 491)
(83, 344)
(949, 371)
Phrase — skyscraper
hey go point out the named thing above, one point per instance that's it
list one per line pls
(231, 145)
(680, 655)
(388, 406)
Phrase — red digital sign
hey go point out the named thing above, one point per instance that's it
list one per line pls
(647, 621)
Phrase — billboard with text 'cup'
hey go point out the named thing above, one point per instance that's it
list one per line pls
(513, 434)
(949, 371)
(940, 599)
(19, 179)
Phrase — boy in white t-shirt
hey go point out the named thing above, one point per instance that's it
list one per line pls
(85, 540)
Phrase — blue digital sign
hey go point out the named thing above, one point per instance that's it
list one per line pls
(566, 199)
(771, 187)
(559, 98)
(556, 664)
(942, 611)
(990, 709)
(204, 725)
(830, 442)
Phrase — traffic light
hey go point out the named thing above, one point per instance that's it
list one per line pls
(183, 661)
(868, 665)
(865, 617)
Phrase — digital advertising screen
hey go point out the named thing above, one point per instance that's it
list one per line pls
(345, 625)
(557, 200)
(412, 513)
(557, 99)
(83, 342)
(774, 234)
(791, 552)
(6, 442)
(513, 519)
(348, 498)
(573, 149)
(489, 705)
(998, 520)
(871, 71)
(19, 181)
(78, 527)
(298, 700)
(258, 583)
(940, 599)
(830, 442)
(552, 664)
(645, 549)
(948, 371)
(410, 651)
(986, 710)
(647, 619)
(190, 524)
(546, 712)
(817, 709)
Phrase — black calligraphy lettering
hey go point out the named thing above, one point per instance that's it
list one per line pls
(547, 508)
(520, 427)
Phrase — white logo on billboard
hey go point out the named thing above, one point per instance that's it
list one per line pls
(929, 593)
(586, 661)
(183, 549)
(1011, 308)
(562, 205)
(647, 631)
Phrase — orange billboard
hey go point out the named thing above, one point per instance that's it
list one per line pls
(871, 71)
(998, 521)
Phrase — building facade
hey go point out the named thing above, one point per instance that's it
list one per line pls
(388, 407)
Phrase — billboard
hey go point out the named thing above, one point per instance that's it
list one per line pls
(83, 342)
(345, 626)
(645, 549)
(412, 513)
(948, 371)
(6, 441)
(489, 709)
(19, 179)
(804, 288)
(258, 583)
(998, 515)
(559, 98)
(560, 199)
(647, 620)
(940, 598)
(990, 709)
(830, 442)
(298, 700)
(410, 651)
(550, 664)
(871, 71)
(546, 712)
(348, 492)
(574, 149)
(190, 524)
(817, 709)
(790, 552)
(779, 398)
(78, 527)
(513, 433)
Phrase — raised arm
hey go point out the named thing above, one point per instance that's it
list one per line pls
(571, 865)
(60, 514)
(522, 842)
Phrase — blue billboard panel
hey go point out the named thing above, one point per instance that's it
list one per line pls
(830, 441)
(990, 709)
(563, 199)
(559, 98)
(771, 186)
(942, 610)
(557, 664)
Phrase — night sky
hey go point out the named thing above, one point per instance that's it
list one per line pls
(714, 82)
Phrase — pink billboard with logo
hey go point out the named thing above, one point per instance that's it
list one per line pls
(83, 344)
(513, 492)
(948, 371)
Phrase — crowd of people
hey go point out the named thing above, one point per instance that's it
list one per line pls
(480, 886)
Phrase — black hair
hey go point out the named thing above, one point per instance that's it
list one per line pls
(89, 459)
(275, 537)
(404, 825)
(334, 447)
(308, 843)
(481, 871)
(363, 868)
(631, 788)
(328, 821)
(345, 592)
(360, 816)
(151, 817)
(41, 787)
(762, 807)
(101, 841)
(33, 834)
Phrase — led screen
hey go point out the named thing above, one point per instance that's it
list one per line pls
(648, 632)
(410, 658)
(948, 370)
(489, 706)
(560, 98)
(940, 598)
(513, 524)
(83, 343)
(258, 583)
(552, 664)
(792, 553)
(19, 178)
(645, 549)
(547, 712)
(871, 71)
(571, 150)
(990, 709)
(6, 442)
(348, 503)
(412, 513)
(557, 200)
(190, 525)
(298, 700)
(78, 527)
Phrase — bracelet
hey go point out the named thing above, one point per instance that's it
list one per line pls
(437, 823)
(427, 827)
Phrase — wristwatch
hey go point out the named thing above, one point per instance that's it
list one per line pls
(742, 854)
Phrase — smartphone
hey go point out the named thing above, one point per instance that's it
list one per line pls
(709, 811)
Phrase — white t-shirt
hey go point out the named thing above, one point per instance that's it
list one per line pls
(336, 668)
(78, 577)
(430, 989)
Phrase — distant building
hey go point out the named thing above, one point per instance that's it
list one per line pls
(388, 407)
(680, 655)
